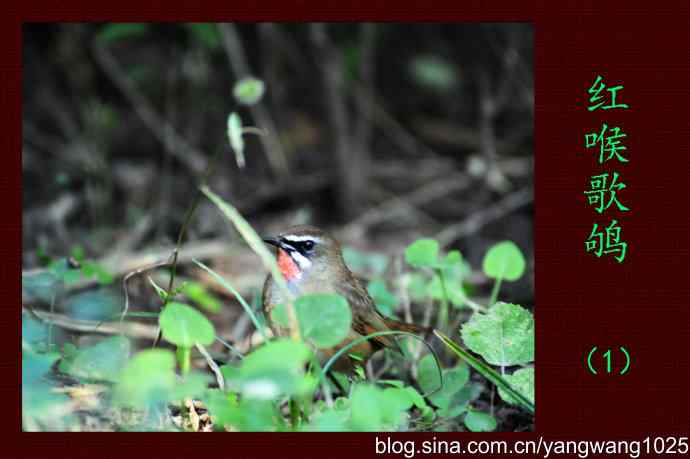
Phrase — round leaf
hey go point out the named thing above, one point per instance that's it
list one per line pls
(504, 260)
(476, 421)
(148, 378)
(184, 326)
(324, 319)
(248, 91)
(422, 253)
(102, 361)
(503, 336)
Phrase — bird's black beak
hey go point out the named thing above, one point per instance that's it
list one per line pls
(272, 240)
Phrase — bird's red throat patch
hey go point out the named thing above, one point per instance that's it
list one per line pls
(288, 266)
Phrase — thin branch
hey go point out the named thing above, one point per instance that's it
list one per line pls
(478, 220)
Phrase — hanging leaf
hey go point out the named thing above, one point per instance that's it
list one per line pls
(235, 138)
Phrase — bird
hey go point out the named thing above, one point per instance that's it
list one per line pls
(311, 261)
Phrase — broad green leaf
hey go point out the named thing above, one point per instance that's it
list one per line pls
(102, 361)
(422, 253)
(34, 332)
(366, 414)
(503, 336)
(274, 369)
(36, 366)
(147, 379)
(253, 415)
(504, 261)
(111, 33)
(324, 319)
(522, 380)
(248, 91)
(42, 286)
(434, 72)
(476, 421)
(327, 421)
(98, 304)
(220, 407)
(385, 301)
(454, 380)
(235, 137)
(193, 385)
(184, 326)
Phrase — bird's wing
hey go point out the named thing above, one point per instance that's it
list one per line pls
(365, 318)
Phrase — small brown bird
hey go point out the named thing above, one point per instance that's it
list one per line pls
(312, 262)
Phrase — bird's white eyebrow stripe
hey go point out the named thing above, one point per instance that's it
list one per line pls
(292, 238)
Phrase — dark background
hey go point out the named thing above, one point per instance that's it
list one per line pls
(583, 301)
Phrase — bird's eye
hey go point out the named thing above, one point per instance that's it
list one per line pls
(308, 245)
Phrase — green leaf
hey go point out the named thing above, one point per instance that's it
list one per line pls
(324, 319)
(103, 361)
(42, 286)
(503, 336)
(147, 379)
(366, 414)
(235, 137)
(455, 291)
(385, 301)
(434, 72)
(485, 370)
(253, 415)
(422, 253)
(476, 421)
(193, 385)
(184, 326)
(99, 304)
(504, 261)
(523, 381)
(453, 381)
(274, 369)
(36, 366)
(248, 91)
(111, 33)
(327, 421)
(34, 332)
(220, 407)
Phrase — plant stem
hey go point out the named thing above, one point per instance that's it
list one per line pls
(495, 290)
(443, 313)
(184, 355)
(294, 413)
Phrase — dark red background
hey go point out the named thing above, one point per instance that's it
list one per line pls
(581, 301)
